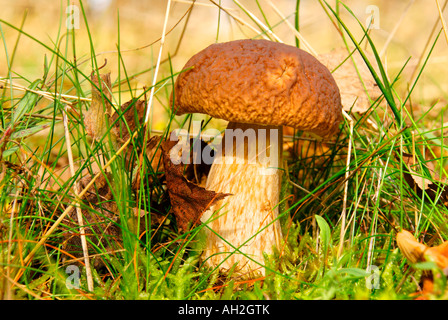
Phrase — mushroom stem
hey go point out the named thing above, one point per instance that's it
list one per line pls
(248, 167)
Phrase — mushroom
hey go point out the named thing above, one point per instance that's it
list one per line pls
(258, 86)
(415, 251)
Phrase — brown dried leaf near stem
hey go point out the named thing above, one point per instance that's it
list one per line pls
(356, 95)
(154, 155)
(128, 119)
(102, 220)
(418, 183)
(188, 200)
(125, 121)
(95, 118)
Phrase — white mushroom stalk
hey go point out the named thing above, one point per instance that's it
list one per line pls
(245, 224)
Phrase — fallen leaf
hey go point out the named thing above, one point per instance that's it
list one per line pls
(433, 187)
(188, 200)
(198, 172)
(130, 118)
(154, 155)
(95, 118)
(102, 221)
(355, 93)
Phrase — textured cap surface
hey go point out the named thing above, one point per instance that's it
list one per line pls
(262, 82)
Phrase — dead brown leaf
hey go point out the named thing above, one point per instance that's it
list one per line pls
(102, 220)
(154, 155)
(130, 118)
(188, 200)
(95, 118)
(433, 187)
(355, 94)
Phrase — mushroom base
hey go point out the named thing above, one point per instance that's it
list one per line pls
(244, 224)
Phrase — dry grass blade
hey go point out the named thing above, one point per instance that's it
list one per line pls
(82, 229)
(427, 45)
(8, 261)
(239, 20)
(347, 173)
(397, 25)
(162, 42)
(442, 19)
(265, 28)
(297, 34)
(45, 94)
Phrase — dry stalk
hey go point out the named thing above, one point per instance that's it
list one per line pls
(374, 221)
(259, 23)
(397, 25)
(425, 48)
(347, 174)
(82, 229)
(162, 42)
(47, 95)
(297, 34)
(239, 20)
(201, 4)
(8, 258)
(442, 19)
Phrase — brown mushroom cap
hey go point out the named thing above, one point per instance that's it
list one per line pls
(260, 82)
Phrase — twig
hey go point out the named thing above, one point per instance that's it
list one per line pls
(442, 19)
(201, 4)
(239, 20)
(374, 221)
(265, 28)
(44, 94)
(347, 174)
(397, 25)
(420, 59)
(8, 258)
(297, 34)
(154, 81)
(82, 229)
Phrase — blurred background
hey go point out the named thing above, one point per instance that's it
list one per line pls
(401, 30)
